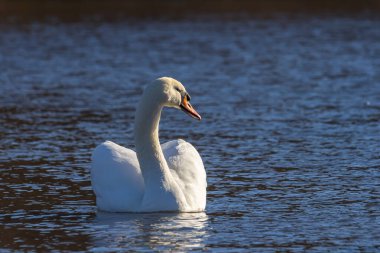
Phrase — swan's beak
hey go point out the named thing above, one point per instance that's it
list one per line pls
(187, 108)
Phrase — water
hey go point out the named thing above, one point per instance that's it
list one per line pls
(289, 137)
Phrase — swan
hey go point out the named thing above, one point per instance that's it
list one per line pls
(155, 178)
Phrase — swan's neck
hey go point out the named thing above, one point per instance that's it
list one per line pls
(159, 183)
(149, 153)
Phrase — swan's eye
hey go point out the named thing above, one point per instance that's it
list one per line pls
(177, 89)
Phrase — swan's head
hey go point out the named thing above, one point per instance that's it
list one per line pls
(173, 94)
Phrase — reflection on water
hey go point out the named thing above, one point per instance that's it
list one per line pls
(159, 231)
(289, 132)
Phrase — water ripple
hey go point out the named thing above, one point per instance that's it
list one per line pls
(289, 136)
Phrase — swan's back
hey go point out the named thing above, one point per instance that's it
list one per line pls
(187, 169)
(116, 178)
(119, 186)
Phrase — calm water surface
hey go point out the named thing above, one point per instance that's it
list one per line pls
(290, 135)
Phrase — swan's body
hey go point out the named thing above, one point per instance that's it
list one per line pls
(168, 177)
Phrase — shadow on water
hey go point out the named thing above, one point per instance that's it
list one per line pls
(156, 231)
(32, 10)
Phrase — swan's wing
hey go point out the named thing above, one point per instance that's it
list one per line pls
(187, 169)
(116, 178)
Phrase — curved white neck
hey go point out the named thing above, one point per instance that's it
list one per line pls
(148, 148)
(154, 168)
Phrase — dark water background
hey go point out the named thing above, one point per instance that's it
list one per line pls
(290, 135)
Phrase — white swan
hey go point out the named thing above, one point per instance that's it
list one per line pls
(168, 177)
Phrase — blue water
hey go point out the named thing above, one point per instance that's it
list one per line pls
(289, 136)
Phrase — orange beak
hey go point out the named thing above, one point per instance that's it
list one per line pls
(187, 108)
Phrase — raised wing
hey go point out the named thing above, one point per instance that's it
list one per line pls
(116, 178)
(188, 170)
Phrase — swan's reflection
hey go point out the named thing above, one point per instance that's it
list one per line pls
(156, 231)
